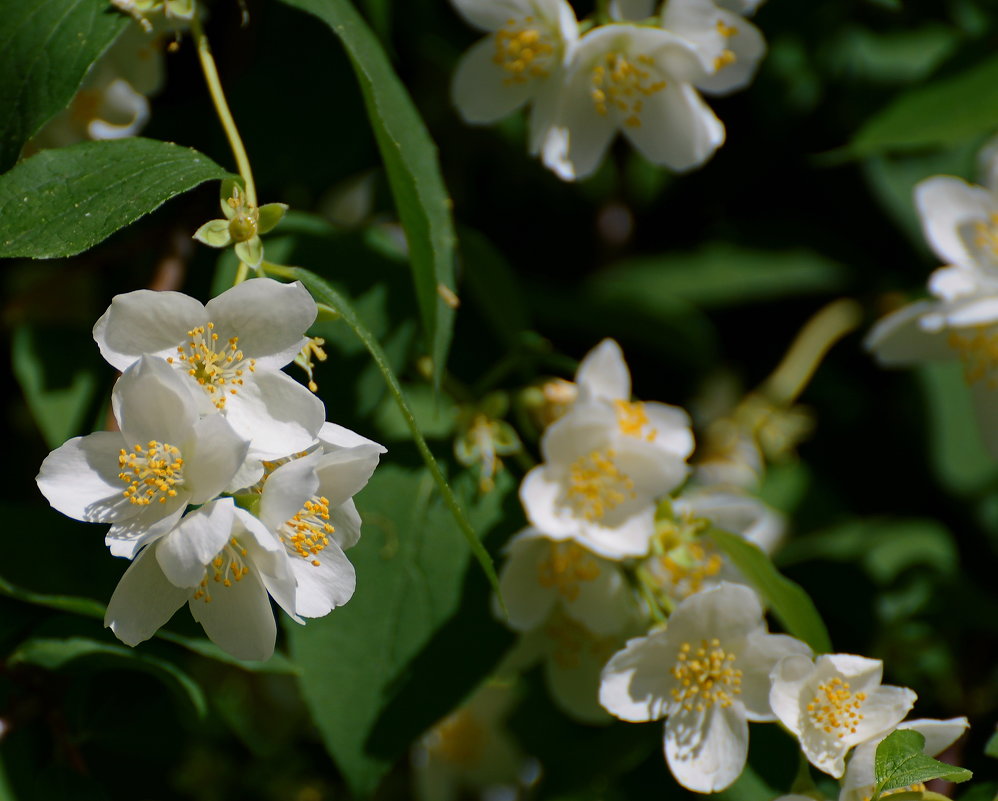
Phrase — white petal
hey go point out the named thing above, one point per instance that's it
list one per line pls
(270, 319)
(238, 619)
(672, 429)
(578, 140)
(335, 436)
(344, 473)
(629, 537)
(323, 587)
(539, 494)
(944, 203)
(634, 10)
(122, 112)
(528, 603)
(269, 559)
(788, 680)
(760, 656)
(603, 372)
(729, 612)
(286, 490)
(346, 521)
(125, 538)
(707, 753)
(882, 711)
(587, 426)
(677, 130)
(145, 321)
(748, 47)
(482, 90)
(212, 455)
(900, 338)
(276, 414)
(143, 601)
(490, 15)
(954, 281)
(184, 553)
(574, 682)
(972, 311)
(636, 684)
(80, 479)
(151, 402)
(604, 603)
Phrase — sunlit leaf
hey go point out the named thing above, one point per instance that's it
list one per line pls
(62, 202)
(900, 763)
(46, 48)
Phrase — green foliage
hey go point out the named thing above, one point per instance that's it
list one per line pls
(410, 160)
(62, 202)
(54, 654)
(946, 111)
(325, 294)
(411, 642)
(791, 605)
(46, 47)
(900, 763)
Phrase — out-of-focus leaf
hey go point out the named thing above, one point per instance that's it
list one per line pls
(411, 163)
(46, 48)
(991, 748)
(493, 286)
(54, 654)
(749, 786)
(943, 112)
(961, 462)
(717, 275)
(886, 547)
(62, 202)
(410, 568)
(896, 56)
(78, 606)
(791, 605)
(278, 663)
(58, 385)
(435, 414)
(325, 294)
(900, 763)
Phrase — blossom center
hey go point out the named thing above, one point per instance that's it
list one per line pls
(571, 642)
(707, 676)
(218, 368)
(978, 350)
(523, 51)
(622, 85)
(565, 567)
(596, 485)
(307, 533)
(459, 739)
(727, 55)
(632, 420)
(689, 565)
(835, 708)
(228, 566)
(985, 234)
(152, 472)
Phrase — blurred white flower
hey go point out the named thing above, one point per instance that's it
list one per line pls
(230, 353)
(224, 564)
(541, 574)
(708, 673)
(639, 81)
(859, 781)
(141, 478)
(834, 703)
(521, 60)
(960, 222)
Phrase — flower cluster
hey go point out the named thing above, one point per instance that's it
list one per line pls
(621, 543)
(640, 75)
(223, 484)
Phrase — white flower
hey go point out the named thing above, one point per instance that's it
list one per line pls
(834, 703)
(230, 353)
(639, 81)
(307, 503)
(708, 672)
(727, 40)
(142, 478)
(606, 461)
(111, 102)
(521, 60)
(541, 574)
(224, 564)
(859, 780)
(960, 222)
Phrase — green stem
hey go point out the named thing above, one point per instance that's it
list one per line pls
(645, 588)
(815, 339)
(222, 108)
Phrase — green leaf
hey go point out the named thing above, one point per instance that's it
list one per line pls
(62, 202)
(991, 747)
(58, 383)
(325, 294)
(791, 605)
(943, 112)
(717, 275)
(46, 48)
(402, 653)
(53, 654)
(900, 763)
(410, 158)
